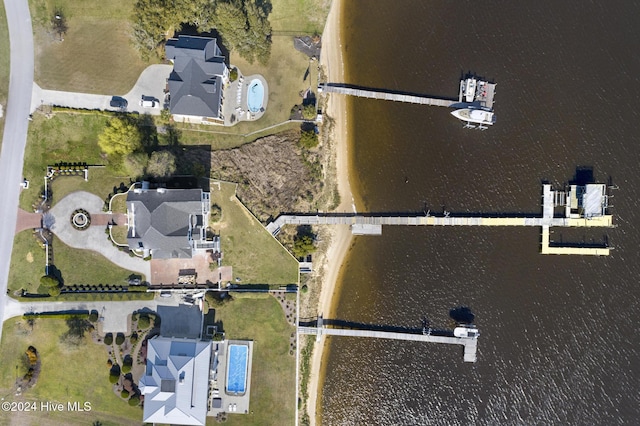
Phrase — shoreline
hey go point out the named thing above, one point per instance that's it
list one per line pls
(331, 59)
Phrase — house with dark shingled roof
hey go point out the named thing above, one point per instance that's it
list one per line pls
(168, 223)
(197, 80)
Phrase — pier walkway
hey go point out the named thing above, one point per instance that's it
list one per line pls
(582, 207)
(470, 343)
(386, 95)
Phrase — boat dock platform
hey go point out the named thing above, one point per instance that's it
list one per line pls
(385, 95)
(582, 206)
(470, 344)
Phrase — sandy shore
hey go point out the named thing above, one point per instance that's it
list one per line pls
(332, 61)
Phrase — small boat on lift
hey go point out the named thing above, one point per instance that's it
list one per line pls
(466, 331)
(473, 115)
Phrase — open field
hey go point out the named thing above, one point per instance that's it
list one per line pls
(256, 257)
(66, 138)
(299, 17)
(68, 374)
(76, 266)
(273, 373)
(96, 55)
(4, 66)
(27, 263)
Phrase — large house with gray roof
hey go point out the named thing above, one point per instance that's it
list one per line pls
(168, 223)
(176, 381)
(197, 80)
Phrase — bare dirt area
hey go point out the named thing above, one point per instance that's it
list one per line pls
(274, 175)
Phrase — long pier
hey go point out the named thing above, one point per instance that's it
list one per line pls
(470, 344)
(583, 206)
(387, 96)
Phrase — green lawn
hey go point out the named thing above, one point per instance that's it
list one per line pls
(68, 374)
(27, 263)
(299, 17)
(66, 138)
(4, 66)
(274, 370)
(96, 55)
(256, 257)
(77, 266)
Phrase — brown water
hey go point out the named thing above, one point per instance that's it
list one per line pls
(558, 341)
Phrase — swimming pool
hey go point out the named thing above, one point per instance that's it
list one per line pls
(255, 95)
(237, 358)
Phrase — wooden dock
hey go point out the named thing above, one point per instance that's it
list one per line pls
(363, 224)
(470, 343)
(387, 96)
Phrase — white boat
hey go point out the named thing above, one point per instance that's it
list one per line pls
(466, 332)
(475, 115)
(470, 89)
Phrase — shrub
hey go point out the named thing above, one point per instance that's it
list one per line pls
(133, 339)
(304, 289)
(308, 139)
(54, 291)
(233, 74)
(108, 339)
(134, 400)
(114, 373)
(134, 317)
(124, 394)
(309, 112)
(144, 322)
(119, 339)
(93, 316)
(49, 281)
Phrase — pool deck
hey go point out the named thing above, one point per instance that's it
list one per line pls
(235, 107)
(233, 404)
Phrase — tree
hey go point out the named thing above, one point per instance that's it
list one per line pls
(134, 400)
(309, 112)
(308, 139)
(135, 164)
(245, 27)
(161, 164)
(49, 281)
(215, 213)
(108, 339)
(303, 245)
(143, 322)
(54, 291)
(120, 138)
(119, 339)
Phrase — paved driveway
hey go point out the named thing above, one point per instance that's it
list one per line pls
(92, 238)
(15, 131)
(151, 84)
(114, 313)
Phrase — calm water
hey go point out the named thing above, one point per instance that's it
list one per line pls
(558, 341)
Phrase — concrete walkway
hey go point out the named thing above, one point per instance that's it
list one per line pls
(28, 220)
(151, 84)
(94, 237)
(114, 313)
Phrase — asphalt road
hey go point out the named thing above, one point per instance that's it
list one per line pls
(15, 131)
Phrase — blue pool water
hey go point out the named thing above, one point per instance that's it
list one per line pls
(237, 368)
(255, 95)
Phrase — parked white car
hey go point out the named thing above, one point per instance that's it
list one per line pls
(147, 102)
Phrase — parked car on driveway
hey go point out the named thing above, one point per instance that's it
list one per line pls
(149, 102)
(118, 102)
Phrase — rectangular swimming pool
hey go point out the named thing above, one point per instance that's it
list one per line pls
(237, 360)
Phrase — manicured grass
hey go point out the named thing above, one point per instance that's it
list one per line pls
(27, 263)
(273, 371)
(96, 55)
(66, 138)
(256, 257)
(119, 234)
(67, 374)
(77, 266)
(86, 266)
